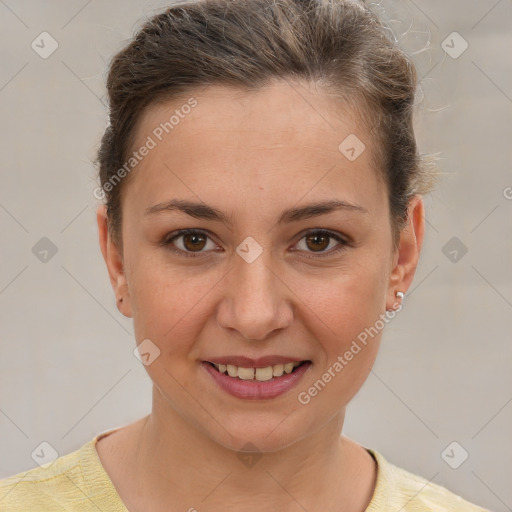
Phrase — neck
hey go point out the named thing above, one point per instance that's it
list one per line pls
(177, 463)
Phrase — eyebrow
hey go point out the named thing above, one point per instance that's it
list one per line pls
(205, 212)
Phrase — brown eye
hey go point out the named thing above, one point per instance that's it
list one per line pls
(194, 242)
(317, 242)
(189, 242)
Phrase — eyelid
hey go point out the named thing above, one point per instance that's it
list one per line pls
(167, 241)
(343, 242)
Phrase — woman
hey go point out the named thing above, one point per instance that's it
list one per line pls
(263, 220)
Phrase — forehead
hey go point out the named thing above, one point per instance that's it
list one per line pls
(267, 137)
(297, 108)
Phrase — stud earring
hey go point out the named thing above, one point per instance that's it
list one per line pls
(399, 295)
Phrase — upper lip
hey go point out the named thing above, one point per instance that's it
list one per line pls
(261, 362)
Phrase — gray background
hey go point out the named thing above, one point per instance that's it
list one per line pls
(444, 371)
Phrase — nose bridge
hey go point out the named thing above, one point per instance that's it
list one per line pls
(255, 278)
(254, 302)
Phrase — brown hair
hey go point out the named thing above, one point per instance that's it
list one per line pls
(341, 45)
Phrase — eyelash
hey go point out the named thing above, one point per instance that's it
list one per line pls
(167, 242)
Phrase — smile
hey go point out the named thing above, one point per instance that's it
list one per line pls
(260, 374)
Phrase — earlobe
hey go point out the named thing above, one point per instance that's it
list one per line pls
(114, 261)
(407, 255)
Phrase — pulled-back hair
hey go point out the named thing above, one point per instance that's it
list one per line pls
(339, 45)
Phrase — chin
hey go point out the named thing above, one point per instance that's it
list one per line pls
(267, 433)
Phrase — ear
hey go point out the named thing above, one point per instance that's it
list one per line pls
(114, 260)
(407, 255)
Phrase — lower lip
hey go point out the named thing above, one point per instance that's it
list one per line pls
(253, 389)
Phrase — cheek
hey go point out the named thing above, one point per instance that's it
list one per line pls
(345, 302)
(168, 302)
(344, 324)
(344, 316)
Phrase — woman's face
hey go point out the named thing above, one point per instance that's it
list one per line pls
(264, 274)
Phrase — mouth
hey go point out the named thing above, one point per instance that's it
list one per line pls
(261, 374)
(256, 379)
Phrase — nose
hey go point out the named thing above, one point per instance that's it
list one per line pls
(255, 302)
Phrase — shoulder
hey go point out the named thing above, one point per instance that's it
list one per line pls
(49, 487)
(39, 487)
(398, 489)
(74, 482)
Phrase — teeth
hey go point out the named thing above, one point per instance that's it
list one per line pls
(288, 367)
(259, 374)
(232, 370)
(278, 370)
(264, 373)
(246, 373)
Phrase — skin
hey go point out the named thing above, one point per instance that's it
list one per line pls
(253, 155)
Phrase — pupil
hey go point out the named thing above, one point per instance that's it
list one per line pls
(194, 243)
(316, 238)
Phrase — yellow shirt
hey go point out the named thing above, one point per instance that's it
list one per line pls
(78, 482)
